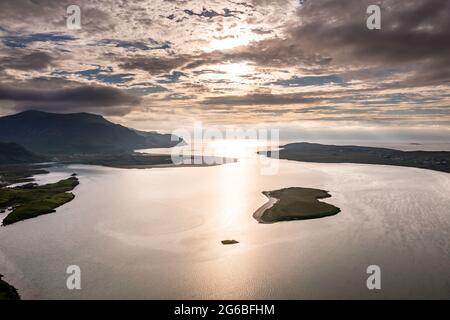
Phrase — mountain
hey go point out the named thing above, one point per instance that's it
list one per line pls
(12, 153)
(76, 133)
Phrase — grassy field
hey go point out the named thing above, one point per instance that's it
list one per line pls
(298, 204)
(31, 200)
(7, 292)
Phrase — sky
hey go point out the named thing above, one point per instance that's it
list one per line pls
(307, 66)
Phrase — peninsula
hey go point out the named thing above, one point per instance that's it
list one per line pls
(313, 152)
(31, 200)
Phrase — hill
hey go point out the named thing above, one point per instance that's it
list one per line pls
(75, 133)
(12, 153)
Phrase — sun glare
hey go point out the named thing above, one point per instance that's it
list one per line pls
(235, 148)
(233, 71)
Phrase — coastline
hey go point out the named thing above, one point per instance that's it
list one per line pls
(31, 200)
(156, 166)
(320, 153)
(258, 214)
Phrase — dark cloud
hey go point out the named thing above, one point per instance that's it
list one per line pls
(261, 31)
(29, 12)
(22, 60)
(104, 100)
(154, 65)
(414, 35)
(52, 14)
(417, 31)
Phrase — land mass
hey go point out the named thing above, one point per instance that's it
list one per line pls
(295, 204)
(31, 200)
(12, 174)
(229, 242)
(12, 153)
(7, 292)
(313, 152)
(137, 160)
(32, 137)
(52, 134)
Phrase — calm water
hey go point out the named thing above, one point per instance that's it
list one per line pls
(155, 234)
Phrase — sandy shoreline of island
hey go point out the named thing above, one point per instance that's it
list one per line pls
(269, 204)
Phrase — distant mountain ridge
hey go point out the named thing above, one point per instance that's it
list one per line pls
(76, 133)
(12, 153)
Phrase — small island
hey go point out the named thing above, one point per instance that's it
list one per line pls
(31, 200)
(295, 204)
(7, 292)
(229, 242)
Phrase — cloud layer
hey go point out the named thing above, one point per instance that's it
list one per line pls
(258, 61)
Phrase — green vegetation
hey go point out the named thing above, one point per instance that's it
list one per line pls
(122, 160)
(297, 204)
(136, 160)
(228, 242)
(7, 292)
(30, 200)
(19, 173)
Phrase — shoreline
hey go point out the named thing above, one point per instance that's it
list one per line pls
(156, 166)
(258, 214)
